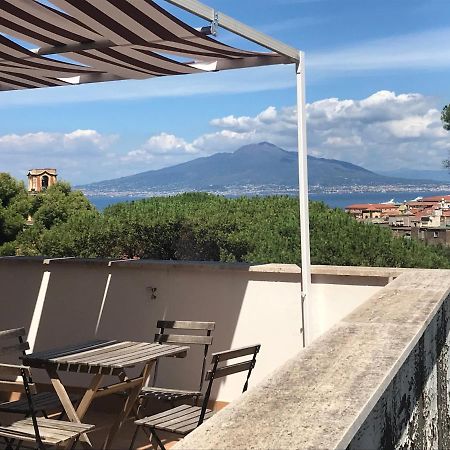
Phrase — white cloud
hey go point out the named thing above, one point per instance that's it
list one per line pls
(162, 149)
(22, 142)
(75, 154)
(29, 142)
(382, 131)
(92, 137)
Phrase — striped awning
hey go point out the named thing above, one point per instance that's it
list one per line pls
(104, 40)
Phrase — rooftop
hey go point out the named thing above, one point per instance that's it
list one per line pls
(437, 198)
(373, 206)
(42, 171)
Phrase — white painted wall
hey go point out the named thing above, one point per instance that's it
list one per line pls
(77, 300)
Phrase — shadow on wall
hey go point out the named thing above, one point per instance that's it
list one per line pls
(94, 299)
(20, 281)
(89, 300)
(131, 312)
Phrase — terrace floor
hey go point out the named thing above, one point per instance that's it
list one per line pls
(103, 413)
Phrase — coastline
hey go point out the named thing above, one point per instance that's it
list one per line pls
(337, 197)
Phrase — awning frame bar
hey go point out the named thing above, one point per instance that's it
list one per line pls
(239, 28)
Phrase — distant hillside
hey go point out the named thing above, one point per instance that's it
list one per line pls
(415, 174)
(260, 164)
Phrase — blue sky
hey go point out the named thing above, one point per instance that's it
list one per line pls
(377, 78)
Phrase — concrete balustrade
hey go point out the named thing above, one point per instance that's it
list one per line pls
(378, 379)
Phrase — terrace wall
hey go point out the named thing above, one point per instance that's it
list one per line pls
(379, 379)
(66, 301)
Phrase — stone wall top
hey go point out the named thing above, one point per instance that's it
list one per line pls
(291, 269)
(321, 397)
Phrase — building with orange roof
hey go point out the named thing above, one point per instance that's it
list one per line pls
(368, 211)
(437, 198)
(426, 219)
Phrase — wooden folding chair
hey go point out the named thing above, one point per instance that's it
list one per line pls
(13, 345)
(184, 419)
(41, 431)
(166, 335)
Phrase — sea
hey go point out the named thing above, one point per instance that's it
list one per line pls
(333, 200)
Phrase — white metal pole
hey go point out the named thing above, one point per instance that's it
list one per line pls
(303, 201)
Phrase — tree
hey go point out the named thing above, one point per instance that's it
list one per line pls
(48, 209)
(15, 206)
(57, 203)
(445, 117)
(9, 188)
(206, 227)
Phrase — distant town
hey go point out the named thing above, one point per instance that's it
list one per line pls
(424, 218)
(267, 189)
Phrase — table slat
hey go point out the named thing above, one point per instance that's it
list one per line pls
(103, 357)
(71, 349)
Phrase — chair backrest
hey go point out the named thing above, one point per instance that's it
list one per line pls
(180, 332)
(218, 370)
(16, 378)
(12, 342)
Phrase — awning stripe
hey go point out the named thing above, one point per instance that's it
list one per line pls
(31, 80)
(23, 17)
(106, 40)
(47, 21)
(10, 52)
(100, 20)
(110, 65)
(151, 61)
(25, 33)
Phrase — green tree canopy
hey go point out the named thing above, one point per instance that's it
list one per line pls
(15, 206)
(54, 206)
(9, 188)
(197, 226)
(445, 117)
(213, 228)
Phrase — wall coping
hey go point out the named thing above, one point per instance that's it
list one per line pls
(21, 259)
(289, 269)
(321, 397)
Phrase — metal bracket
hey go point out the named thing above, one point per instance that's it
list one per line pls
(215, 23)
(212, 28)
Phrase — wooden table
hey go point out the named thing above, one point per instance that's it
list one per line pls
(100, 358)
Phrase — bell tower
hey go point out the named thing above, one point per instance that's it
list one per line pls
(41, 179)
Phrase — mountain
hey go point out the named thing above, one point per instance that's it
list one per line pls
(415, 174)
(262, 164)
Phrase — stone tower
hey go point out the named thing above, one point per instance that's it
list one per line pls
(40, 179)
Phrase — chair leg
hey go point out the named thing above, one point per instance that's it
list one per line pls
(157, 439)
(134, 437)
(74, 443)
